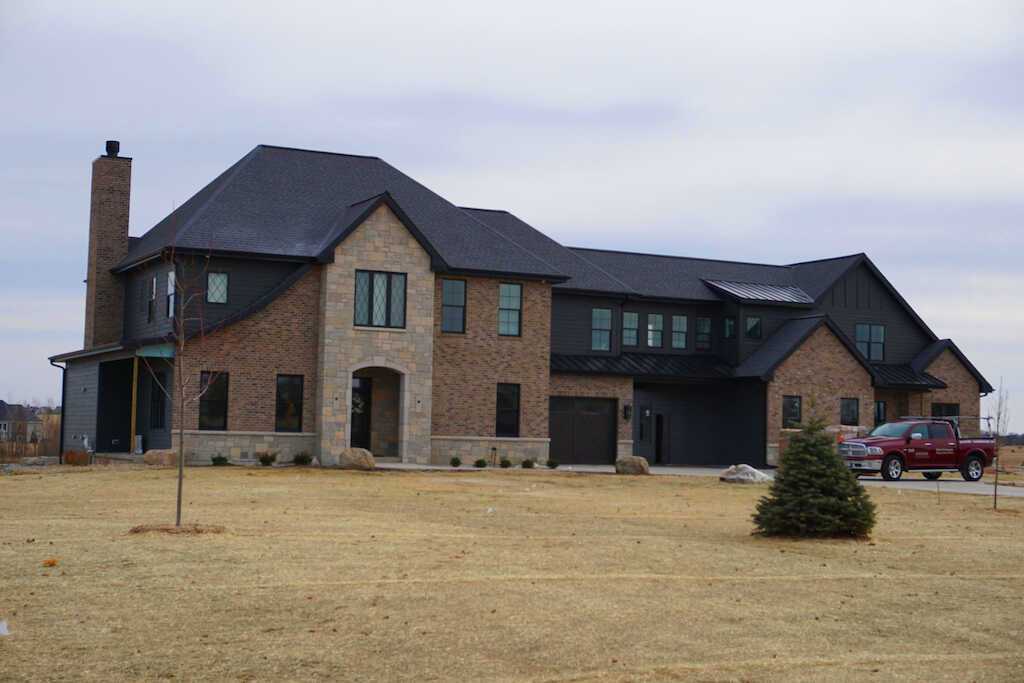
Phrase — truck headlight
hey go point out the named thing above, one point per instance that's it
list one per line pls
(874, 450)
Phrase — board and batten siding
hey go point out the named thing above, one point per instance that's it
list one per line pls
(80, 398)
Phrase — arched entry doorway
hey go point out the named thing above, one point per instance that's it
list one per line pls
(376, 411)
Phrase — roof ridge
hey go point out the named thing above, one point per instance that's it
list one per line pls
(822, 260)
(676, 256)
(477, 208)
(594, 265)
(320, 151)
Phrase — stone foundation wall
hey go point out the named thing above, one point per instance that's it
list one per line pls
(470, 448)
(243, 447)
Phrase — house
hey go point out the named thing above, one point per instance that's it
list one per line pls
(329, 300)
(20, 423)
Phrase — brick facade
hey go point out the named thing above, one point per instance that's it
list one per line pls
(108, 245)
(962, 388)
(821, 371)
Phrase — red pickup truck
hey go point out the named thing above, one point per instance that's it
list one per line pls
(930, 446)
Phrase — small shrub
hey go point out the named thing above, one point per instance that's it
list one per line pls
(219, 460)
(505, 463)
(302, 459)
(267, 459)
(552, 463)
(76, 458)
(480, 462)
(455, 462)
(528, 464)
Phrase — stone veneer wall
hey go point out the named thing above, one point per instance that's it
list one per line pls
(492, 449)
(243, 447)
(601, 386)
(380, 243)
(821, 372)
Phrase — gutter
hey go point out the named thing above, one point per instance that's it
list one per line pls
(63, 408)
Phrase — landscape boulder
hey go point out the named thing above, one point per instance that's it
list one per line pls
(33, 462)
(743, 474)
(163, 458)
(357, 459)
(631, 464)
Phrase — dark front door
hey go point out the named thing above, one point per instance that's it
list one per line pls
(582, 430)
(362, 391)
(660, 439)
(114, 407)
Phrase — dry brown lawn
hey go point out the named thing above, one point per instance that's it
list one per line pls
(496, 575)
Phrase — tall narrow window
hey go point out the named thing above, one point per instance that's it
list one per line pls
(453, 305)
(655, 325)
(630, 328)
(601, 329)
(510, 309)
(753, 327)
(729, 328)
(702, 340)
(288, 411)
(679, 325)
(171, 294)
(151, 303)
(792, 412)
(158, 400)
(880, 413)
(380, 299)
(849, 411)
(507, 412)
(871, 340)
(217, 288)
(213, 403)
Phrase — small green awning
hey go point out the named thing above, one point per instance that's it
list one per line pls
(156, 351)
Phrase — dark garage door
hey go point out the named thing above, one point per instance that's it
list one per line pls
(583, 430)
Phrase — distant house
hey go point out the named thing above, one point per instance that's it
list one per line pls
(19, 423)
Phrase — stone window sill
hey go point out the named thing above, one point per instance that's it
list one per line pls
(367, 328)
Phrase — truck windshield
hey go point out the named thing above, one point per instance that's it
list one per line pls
(890, 429)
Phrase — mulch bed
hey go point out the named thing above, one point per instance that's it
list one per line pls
(189, 529)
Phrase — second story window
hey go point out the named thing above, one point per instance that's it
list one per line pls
(601, 329)
(510, 309)
(380, 299)
(679, 324)
(729, 328)
(871, 341)
(217, 288)
(171, 294)
(151, 303)
(702, 341)
(630, 328)
(655, 325)
(753, 328)
(453, 305)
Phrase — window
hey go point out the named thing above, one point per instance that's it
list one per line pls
(213, 403)
(880, 412)
(601, 329)
(729, 328)
(151, 303)
(288, 413)
(702, 341)
(792, 412)
(753, 327)
(630, 328)
(871, 341)
(849, 411)
(158, 401)
(217, 288)
(679, 325)
(510, 309)
(945, 410)
(507, 413)
(453, 305)
(940, 431)
(171, 292)
(655, 325)
(380, 299)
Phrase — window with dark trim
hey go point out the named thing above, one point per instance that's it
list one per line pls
(945, 410)
(288, 408)
(753, 327)
(729, 328)
(510, 309)
(679, 325)
(380, 299)
(655, 325)
(601, 329)
(217, 288)
(507, 411)
(213, 402)
(630, 328)
(849, 412)
(792, 412)
(151, 304)
(171, 293)
(158, 400)
(453, 306)
(880, 412)
(702, 338)
(871, 340)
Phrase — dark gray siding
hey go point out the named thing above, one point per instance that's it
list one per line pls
(772, 318)
(154, 436)
(138, 286)
(859, 297)
(79, 410)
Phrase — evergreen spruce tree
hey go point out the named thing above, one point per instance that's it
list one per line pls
(814, 494)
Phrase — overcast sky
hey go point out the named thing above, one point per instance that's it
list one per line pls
(772, 132)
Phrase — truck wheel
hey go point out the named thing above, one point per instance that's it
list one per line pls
(973, 468)
(932, 476)
(892, 468)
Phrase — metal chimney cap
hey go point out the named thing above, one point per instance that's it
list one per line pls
(113, 147)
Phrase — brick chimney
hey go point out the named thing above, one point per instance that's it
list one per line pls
(108, 245)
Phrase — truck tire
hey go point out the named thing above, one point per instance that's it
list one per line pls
(973, 469)
(892, 468)
(932, 476)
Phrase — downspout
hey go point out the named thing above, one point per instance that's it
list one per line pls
(63, 408)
